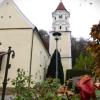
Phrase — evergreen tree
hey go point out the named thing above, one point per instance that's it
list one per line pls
(51, 72)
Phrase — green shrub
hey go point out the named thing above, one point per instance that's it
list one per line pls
(21, 86)
(46, 90)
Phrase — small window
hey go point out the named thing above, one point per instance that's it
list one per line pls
(59, 27)
(60, 16)
(55, 18)
(9, 16)
(1, 16)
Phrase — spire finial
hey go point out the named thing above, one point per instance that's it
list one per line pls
(60, 0)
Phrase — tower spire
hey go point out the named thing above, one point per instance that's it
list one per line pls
(60, 0)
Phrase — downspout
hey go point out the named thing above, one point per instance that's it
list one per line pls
(30, 65)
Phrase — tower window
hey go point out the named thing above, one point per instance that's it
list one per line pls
(66, 28)
(59, 27)
(60, 16)
(65, 17)
(55, 18)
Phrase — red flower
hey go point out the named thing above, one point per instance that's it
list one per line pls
(86, 87)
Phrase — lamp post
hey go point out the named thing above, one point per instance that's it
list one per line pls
(56, 35)
(8, 65)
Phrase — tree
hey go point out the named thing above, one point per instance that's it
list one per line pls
(84, 61)
(94, 47)
(77, 46)
(44, 35)
(51, 72)
(45, 38)
(73, 50)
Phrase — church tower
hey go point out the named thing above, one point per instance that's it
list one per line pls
(61, 24)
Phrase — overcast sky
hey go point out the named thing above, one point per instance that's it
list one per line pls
(83, 14)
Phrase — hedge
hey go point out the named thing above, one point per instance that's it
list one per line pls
(75, 73)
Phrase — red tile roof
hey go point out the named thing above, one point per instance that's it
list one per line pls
(61, 6)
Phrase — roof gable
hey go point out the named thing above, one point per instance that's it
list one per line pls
(12, 17)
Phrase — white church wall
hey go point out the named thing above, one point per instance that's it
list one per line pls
(20, 41)
(40, 59)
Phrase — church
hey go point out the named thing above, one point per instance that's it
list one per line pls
(31, 52)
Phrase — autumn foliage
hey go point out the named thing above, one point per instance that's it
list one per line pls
(94, 47)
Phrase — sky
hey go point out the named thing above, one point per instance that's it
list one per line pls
(83, 14)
